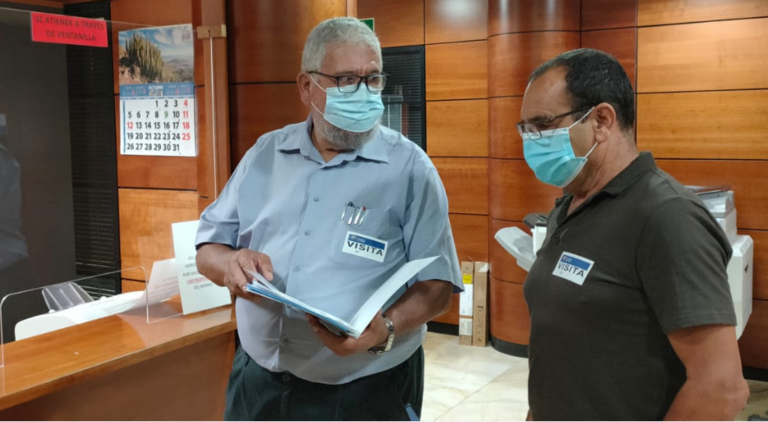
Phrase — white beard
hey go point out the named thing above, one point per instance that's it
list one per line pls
(343, 139)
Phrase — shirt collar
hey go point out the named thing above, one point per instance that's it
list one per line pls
(636, 169)
(374, 150)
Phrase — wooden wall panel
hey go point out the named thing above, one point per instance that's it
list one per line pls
(145, 225)
(258, 109)
(516, 192)
(512, 16)
(136, 171)
(470, 233)
(721, 124)
(53, 4)
(655, 12)
(760, 263)
(754, 341)
(513, 57)
(266, 40)
(703, 56)
(457, 71)
(466, 183)
(621, 43)
(134, 286)
(747, 179)
(606, 14)
(396, 22)
(135, 14)
(510, 317)
(455, 20)
(504, 140)
(503, 265)
(457, 128)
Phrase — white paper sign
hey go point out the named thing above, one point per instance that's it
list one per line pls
(197, 292)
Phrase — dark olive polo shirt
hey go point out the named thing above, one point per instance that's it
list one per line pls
(637, 261)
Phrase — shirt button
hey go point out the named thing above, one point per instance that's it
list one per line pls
(285, 342)
(317, 199)
(296, 269)
(286, 377)
(307, 233)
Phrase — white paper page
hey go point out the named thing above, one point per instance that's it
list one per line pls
(373, 305)
(197, 292)
(266, 289)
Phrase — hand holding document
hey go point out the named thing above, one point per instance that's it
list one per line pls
(364, 315)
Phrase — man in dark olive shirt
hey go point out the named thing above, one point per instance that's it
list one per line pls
(631, 313)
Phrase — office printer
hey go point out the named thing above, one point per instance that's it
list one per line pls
(720, 203)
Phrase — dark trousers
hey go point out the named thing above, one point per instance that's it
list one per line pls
(255, 393)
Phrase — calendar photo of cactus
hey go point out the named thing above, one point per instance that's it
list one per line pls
(156, 55)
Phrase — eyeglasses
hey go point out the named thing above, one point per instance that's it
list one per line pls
(533, 129)
(351, 83)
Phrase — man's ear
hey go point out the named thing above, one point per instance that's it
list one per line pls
(606, 121)
(304, 84)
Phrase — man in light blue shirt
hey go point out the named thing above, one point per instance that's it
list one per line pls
(299, 203)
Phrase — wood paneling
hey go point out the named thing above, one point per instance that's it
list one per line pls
(352, 8)
(455, 20)
(655, 12)
(503, 265)
(258, 109)
(136, 171)
(759, 262)
(606, 14)
(703, 56)
(466, 183)
(513, 57)
(504, 140)
(747, 180)
(121, 355)
(754, 341)
(396, 22)
(457, 128)
(621, 43)
(213, 161)
(136, 14)
(457, 71)
(470, 232)
(511, 16)
(145, 225)
(515, 192)
(721, 124)
(45, 3)
(510, 318)
(266, 39)
(133, 286)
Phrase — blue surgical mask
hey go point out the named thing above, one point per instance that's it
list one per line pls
(551, 157)
(357, 111)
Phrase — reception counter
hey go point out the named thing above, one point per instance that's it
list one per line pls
(121, 368)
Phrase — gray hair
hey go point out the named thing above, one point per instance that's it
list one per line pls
(336, 31)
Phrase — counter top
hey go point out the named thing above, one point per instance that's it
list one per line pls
(40, 365)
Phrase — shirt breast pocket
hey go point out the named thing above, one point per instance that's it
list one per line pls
(366, 244)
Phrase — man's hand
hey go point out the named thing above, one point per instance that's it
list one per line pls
(375, 334)
(241, 263)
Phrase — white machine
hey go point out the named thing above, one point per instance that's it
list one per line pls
(523, 247)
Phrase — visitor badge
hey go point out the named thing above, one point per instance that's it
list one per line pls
(573, 268)
(365, 246)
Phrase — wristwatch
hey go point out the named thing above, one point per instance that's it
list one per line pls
(386, 346)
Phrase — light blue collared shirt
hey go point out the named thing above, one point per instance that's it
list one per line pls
(285, 201)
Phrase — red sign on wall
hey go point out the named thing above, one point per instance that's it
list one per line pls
(60, 29)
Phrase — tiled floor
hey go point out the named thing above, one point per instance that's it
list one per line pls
(465, 383)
